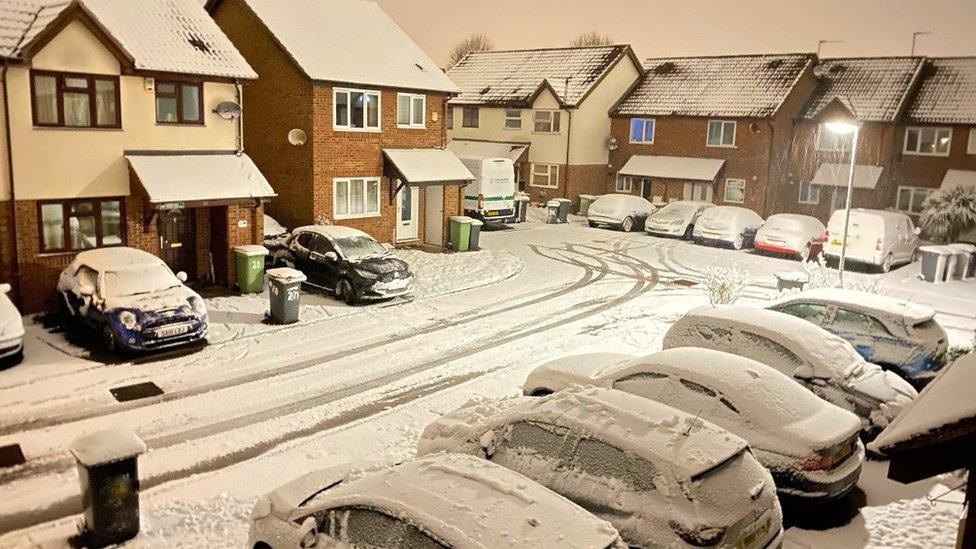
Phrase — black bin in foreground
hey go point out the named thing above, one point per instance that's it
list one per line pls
(109, 476)
(285, 289)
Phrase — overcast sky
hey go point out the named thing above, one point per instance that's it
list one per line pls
(697, 27)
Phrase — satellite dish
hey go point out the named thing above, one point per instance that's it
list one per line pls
(228, 110)
(297, 137)
(754, 128)
(612, 144)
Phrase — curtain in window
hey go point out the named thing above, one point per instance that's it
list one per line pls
(105, 107)
(81, 225)
(191, 103)
(111, 223)
(46, 99)
(403, 109)
(77, 109)
(52, 225)
(418, 110)
(372, 196)
(356, 199)
(342, 198)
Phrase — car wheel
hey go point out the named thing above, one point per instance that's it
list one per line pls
(541, 392)
(627, 225)
(689, 233)
(804, 253)
(110, 342)
(12, 360)
(346, 292)
(886, 264)
(592, 224)
(739, 242)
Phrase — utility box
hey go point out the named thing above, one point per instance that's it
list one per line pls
(109, 476)
(285, 293)
(250, 268)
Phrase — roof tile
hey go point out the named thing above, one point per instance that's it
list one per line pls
(947, 94)
(876, 87)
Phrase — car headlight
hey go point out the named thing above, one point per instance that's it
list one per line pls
(128, 320)
(199, 307)
(367, 274)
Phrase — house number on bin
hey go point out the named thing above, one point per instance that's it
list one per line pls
(292, 294)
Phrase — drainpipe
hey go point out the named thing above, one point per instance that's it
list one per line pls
(569, 137)
(769, 168)
(240, 119)
(13, 196)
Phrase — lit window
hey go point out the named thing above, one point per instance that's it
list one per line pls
(642, 130)
(721, 133)
(928, 141)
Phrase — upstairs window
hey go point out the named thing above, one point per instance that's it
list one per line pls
(68, 100)
(470, 117)
(928, 141)
(411, 110)
(546, 121)
(721, 133)
(642, 130)
(179, 102)
(356, 110)
(971, 146)
(513, 119)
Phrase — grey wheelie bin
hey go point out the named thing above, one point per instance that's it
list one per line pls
(285, 292)
(934, 261)
(564, 204)
(475, 236)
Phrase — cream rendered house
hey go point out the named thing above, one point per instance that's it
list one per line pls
(121, 127)
(547, 109)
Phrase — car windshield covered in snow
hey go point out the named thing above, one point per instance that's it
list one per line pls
(359, 247)
(682, 208)
(139, 280)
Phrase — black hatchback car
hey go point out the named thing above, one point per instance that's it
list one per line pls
(348, 263)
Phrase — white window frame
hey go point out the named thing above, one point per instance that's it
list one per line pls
(555, 121)
(725, 191)
(548, 168)
(836, 137)
(724, 123)
(348, 181)
(918, 140)
(411, 114)
(644, 141)
(348, 127)
(509, 118)
(971, 146)
(911, 201)
(813, 193)
(624, 184)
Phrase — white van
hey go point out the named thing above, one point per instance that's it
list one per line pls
(875, 237)
(491, 196)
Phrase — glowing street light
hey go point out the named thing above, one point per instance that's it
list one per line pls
(846, 126)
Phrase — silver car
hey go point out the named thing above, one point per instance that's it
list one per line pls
(676, 219)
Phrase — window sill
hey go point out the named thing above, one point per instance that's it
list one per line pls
(470, 127)
(734, 201)
(356, 216)
(81, 128)
(546, 133)
(641, 142)
(179, 124)
(357, 130)
(410, 127)
(936, 155)
(544, 186)
(721, 146)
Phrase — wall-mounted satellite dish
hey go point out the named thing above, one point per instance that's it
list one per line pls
(228, 110)
(612, 144)
(297, 137)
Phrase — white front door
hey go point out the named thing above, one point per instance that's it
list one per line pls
(434, 215)
(408, 213)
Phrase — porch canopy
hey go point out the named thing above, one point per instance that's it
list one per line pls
(836, 175)
(195, 180)
(673, 167)
(958, 178)
(480, 150)
(424, 167)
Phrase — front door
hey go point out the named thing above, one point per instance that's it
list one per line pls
(434, 205)
(408, 213)
(177, 241)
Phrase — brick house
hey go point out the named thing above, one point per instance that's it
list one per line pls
(111, 138)
(550, 103)
(347, 118)
(715, 129)
(877, 91)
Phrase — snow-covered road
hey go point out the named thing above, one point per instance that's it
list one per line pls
(262, 405)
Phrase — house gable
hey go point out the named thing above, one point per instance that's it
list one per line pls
(77, 46)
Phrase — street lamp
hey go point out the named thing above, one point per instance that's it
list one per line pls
(846, 127)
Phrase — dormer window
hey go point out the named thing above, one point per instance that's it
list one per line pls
(70, 100)
(179, 102)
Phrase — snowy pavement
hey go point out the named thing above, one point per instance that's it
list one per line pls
(262, 405)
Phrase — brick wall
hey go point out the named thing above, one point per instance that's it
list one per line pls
(928, 171)
(240, 236)
(587, 179)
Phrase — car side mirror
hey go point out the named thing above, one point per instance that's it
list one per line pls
(332, 256)
(86, 290)
(917, 231)
(4, 288)
(308, 533)
(181, 276)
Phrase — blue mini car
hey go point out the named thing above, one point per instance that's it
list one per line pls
(132, 299)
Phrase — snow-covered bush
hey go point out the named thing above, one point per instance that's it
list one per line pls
(323, 220)
(948, 214)
(820, 275)
(725, 284)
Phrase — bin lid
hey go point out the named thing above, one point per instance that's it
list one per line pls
(522, 196)
(477, 222)
(251, 249)
(562, 200)
(461, 219)
(286, 274)
(938, 250)
(554, 203)
(107, 446)
(792, 276)
(962, 247)
(588, 196)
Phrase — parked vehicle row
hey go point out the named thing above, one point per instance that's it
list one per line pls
(11, 330)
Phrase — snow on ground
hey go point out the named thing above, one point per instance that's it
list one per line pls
(265, 404)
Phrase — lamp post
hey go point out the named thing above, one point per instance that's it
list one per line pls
(846, 128)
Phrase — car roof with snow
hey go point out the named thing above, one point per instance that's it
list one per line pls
(115, 259)
(463, 500)
(331, 232)
(883, 214)
(828, 355)
(730, 211)
(622, 198)
(865, 301)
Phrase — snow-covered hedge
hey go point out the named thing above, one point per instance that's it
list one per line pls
(725, 284)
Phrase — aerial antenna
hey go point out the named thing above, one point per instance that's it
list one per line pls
(821, 42)
(915, 36)
(692, 424)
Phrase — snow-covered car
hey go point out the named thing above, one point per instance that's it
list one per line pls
(875, 237)
(275, 239)
(662, 477)
(438, 502)
(132, 299)
(622, 211)
(676, 219)
(892, 333)
(727, 226)
(11, 330)
(810, 446)
(816, 358)
(347, 262)
(794, 235)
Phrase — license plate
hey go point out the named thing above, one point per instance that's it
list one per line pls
(174, 330)
(710, 233)
(776, 240)
(836, 242)
(757, 536)
(491, 213)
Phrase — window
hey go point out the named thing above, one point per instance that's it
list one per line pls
(357, 197)
(812, 312)
(179, 102)
(74, 225)
(540, 439)
(911, 200)
(450, 118)
(544, 175)
(356, 110)
(928, 141)
(411, 110)
(721, 133)
(770, 352)
(362, 527)
(735, 190)
(600, 459)
(469, 117)
(828, 141)
(513, 119)
(625, 184)
(642, 130)
(809, 193)
(75, 100)
(546, 121)
(971, 146)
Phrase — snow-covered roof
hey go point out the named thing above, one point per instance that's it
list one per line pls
(944, 404)
(466, 502)
(21, 20)
(115, 259)
(427, 165)
(350, 41)
(947, 94)
(199, 177)
(107, 446)
(877, 88)
(752, 86)
(958, 178)
(880, 304)
(831, 174)
(673, 167)
(480, 150)
(331, 231)
(173, 36)
(514, 78)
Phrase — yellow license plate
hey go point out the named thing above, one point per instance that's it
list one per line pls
(836, 242)
(757, 536)
(492, 213)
